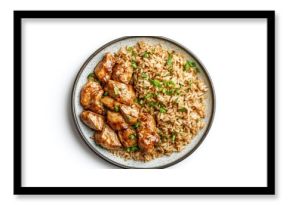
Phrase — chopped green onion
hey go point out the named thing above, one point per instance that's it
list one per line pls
(134, 64)
(188, 65)
(163, 90)
(169, 60)
(116, 90)
(152, 104)
(144, 75)
(130, 49)
(91, 77)
(169, 63)
(146, 54)
(169, 83)
(156, 83)
(135, 148)
(140, 101)
(162, 110)
(173, 137)
(132, 149)
(135, 126)
(105, 93)
(182, 109)
(170, 92)
(149, 95)
(132, 136)
(134, 54)
(116, 108)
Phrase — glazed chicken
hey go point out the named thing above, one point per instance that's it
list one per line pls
(108, 139)
(116, 121)
(147, 140)
(121, 92)
(90, 97)
(103, 70)
(122, 73)
(113, 131)
(130, 113)
(110, 103)
(93, 120)
(147, 122)
(128, 137)
(148, 136)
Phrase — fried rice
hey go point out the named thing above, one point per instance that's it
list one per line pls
(168, 87)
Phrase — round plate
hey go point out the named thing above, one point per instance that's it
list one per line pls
(86, 133)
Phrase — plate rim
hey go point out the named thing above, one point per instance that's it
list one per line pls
(210, 122)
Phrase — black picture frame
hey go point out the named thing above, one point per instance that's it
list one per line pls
(268, 190)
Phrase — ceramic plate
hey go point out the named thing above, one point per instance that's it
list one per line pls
(86, 133)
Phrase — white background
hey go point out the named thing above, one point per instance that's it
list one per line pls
(233, 154)
(283, 101)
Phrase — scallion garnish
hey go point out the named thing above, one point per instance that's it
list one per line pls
(190, 64)
(173, 137)
(136, 125)
(116, 108)
(132, 136)
(182, 109)
(132, 149)
(91, 77)
(134, 64)
(169, 60)
(156, 83)
(162, 110)
(146, 54)
(144, 75)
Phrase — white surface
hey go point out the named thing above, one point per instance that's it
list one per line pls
(233, 51)
(282, 88)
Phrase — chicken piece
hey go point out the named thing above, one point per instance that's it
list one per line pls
(103, 70)
(148, 136)
(116, 121)
(130, 113)
(147, 140)
(89, 90)
(111, 103)
(96, 105)
(147, 122)
(122, 73)
(121, 92)
(93, 120)
(128, 137)
(108, 139)
(90, 97)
